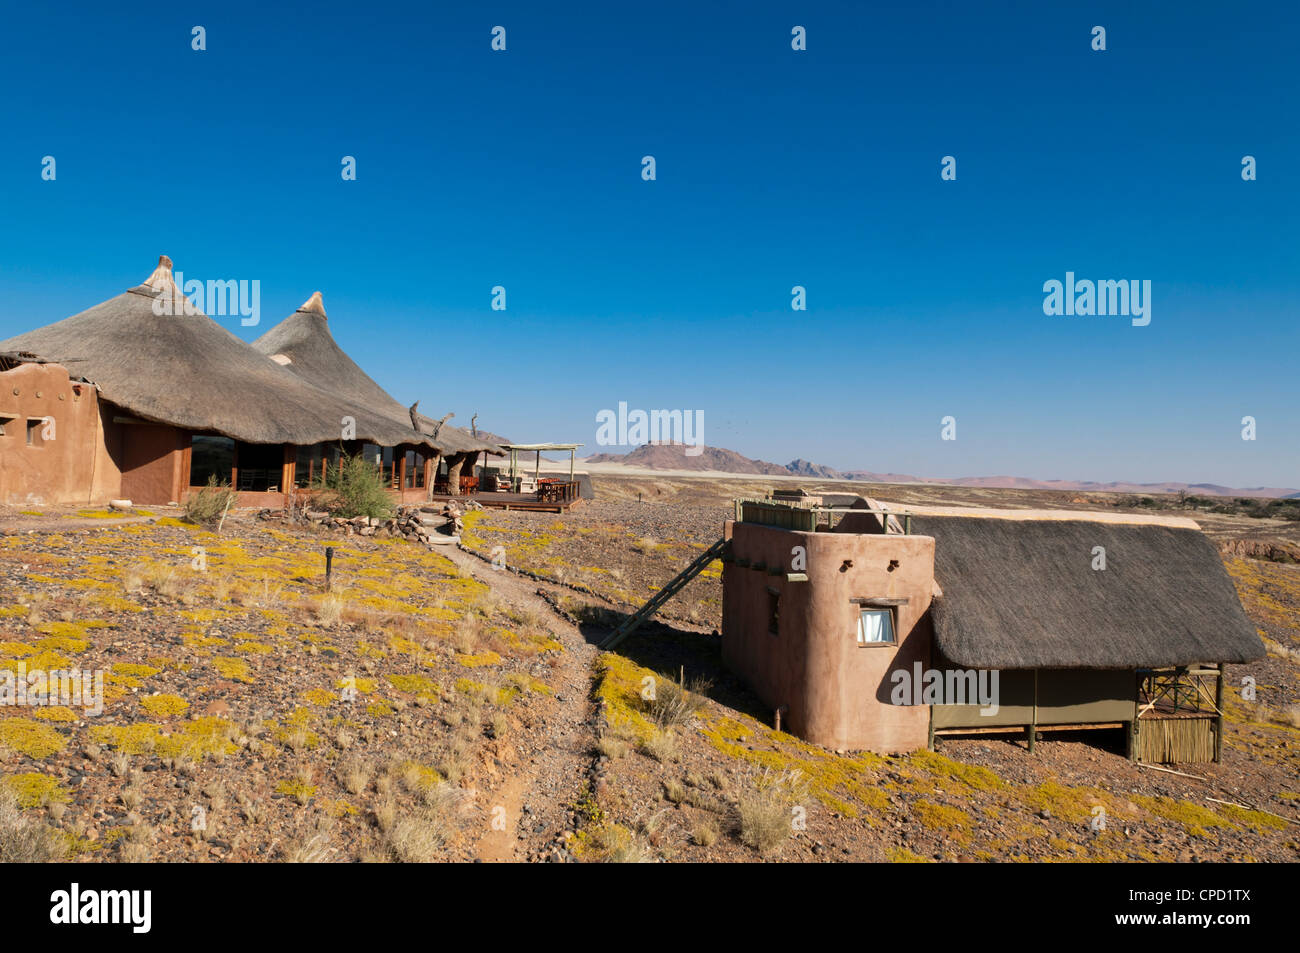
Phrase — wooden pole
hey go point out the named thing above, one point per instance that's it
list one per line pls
(1218, 719)
(1033, 727)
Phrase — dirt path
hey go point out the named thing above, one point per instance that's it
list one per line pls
(533, 777)
(17, 527)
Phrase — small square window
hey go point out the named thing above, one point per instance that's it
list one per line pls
(876, 627)
(35, 438)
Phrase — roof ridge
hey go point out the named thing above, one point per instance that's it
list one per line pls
(161, 279)
(314, 305)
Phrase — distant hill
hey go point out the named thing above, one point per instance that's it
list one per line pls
(814, 470)
(673, 456)
(668, 456)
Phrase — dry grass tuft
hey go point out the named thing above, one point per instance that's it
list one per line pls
(661, 745)
(25, 840)
(764, 810)
(675, 705)
(329, 608)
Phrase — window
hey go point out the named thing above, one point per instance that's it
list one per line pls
(34, 436)
(414, 470)
(260, 466)
(313, 462)
(211, 456)
(875, 627)
(4, 419)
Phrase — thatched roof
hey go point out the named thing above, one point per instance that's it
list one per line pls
(302, 343)
(1022, 594)
(455, 439)
(11, 359)
(186, 370)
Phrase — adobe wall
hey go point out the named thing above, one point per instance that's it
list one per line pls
(66, 463)
(835, 692)
(153, 461)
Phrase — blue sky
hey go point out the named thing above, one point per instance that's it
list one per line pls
(775, 168)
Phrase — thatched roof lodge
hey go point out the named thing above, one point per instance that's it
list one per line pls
(898, 626)
(130, 399)
(302, 344)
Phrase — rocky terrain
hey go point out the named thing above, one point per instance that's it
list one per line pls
(444, 704)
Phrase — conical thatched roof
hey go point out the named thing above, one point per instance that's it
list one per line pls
(1022, 594)
(186, 370)
(303, 344)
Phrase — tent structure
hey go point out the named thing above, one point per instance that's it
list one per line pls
(1028, 594)
(897, 626)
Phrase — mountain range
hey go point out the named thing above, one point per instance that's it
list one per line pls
(673, 456)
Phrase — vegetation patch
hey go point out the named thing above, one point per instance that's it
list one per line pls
(234, 669)
(940, 817)
(1196, 820)
(164, 706)
(31, 738)
(36, 790)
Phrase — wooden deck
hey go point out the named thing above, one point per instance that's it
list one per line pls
(512, 501)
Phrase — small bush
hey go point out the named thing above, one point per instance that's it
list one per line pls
(611, 746)
(356, 487)
(660, 745)
(765, 809)
(312, 848)
(613, 844)
(211, 503)
(24, 840)
(675, 705)
(706, 833)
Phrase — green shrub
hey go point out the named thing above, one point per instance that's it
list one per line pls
(357, 488)
(211, 503)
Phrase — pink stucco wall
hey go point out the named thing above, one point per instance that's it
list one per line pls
(835, 693)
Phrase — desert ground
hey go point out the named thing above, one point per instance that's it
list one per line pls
(432, 707)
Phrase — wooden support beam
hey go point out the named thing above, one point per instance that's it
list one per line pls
(1218, 721)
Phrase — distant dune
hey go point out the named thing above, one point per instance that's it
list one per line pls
(673, 457)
